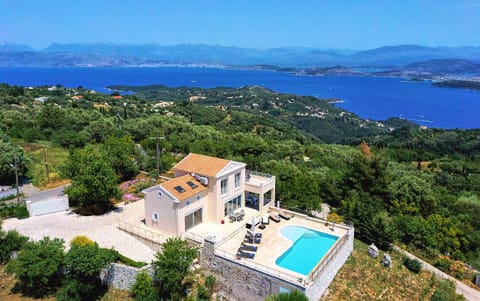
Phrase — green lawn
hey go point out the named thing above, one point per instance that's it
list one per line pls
(55, 156)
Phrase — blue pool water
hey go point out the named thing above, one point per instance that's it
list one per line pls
(309, 246)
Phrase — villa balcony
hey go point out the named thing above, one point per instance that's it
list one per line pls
(259, 190)
(255, 180)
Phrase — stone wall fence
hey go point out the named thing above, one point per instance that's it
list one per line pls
(121, 276)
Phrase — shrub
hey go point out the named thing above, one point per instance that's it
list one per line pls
(446, 292)
(412, 264)
(143, 289)
(130, 262)
(8, 197)
(202, 293)
(443, 263)
(8, 210)
(81, 240)
(21, 212)
(210, 282)
(9, 242)
(82, 272)
(292, 296)
(172, 266)
(38, 266)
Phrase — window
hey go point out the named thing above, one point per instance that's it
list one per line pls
(237, 180)
(232, 205)
(193, 219)
(192, 185)
(224, 186)
(155, 217)
(160, 194)
(179, 189)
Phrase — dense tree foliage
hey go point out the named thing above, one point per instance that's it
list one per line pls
(10, 241)
(38, 267)
(8, 155)
(418, 187)
(94, 181)
(82, 272)
(171, 268)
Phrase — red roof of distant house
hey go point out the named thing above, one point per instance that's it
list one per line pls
(117, 97)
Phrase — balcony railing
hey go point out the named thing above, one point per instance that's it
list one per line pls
(250, 173)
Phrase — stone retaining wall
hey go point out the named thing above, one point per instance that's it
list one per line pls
(121, 276)
(241, 282)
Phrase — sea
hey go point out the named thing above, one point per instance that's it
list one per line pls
(375, 98)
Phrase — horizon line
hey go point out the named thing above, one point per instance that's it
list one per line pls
(4, 43)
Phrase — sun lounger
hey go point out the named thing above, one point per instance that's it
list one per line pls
(284, 214)
(243, 254)
(265, 220)
(274, 217)
(249, 239)
(248, 248)
(257, 234)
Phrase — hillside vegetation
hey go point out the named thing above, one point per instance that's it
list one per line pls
(396, 182)
(364, 278)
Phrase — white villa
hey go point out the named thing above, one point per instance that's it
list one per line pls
(217, 204)
(206, 189)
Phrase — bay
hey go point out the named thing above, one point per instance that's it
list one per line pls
(375, 98)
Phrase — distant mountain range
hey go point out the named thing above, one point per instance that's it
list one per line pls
(105, 54)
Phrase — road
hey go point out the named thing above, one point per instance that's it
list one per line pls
(47, 194)
(469, 293)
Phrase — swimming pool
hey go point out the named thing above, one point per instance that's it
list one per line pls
(309, 246)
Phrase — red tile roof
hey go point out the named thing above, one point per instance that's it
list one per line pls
(202, 165)
(188, 191)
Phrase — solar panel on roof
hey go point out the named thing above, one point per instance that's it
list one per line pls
(179, 189)
(192, 185)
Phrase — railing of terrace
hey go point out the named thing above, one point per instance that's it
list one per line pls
(298, 281)
(257, 173)
(318, 270)
(141, 232)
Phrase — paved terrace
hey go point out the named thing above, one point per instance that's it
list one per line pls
(230, 236)
(102, 229)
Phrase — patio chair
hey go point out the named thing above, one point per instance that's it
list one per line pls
(243, 254)
(274, 217)
(248, 248)
(231, 216)
(284, 214)
(265, 220)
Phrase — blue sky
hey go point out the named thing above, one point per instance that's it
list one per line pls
(354, 24)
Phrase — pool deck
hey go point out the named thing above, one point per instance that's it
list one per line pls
(273, 244)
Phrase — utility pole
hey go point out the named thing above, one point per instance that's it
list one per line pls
(16, 179)
(157, 138)
(46, 164)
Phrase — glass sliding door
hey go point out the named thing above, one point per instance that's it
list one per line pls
(193, 219)
(232, 204)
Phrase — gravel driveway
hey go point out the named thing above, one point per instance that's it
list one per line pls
(102, 229)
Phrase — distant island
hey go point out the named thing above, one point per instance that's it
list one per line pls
(463, 84)
(414, 62)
